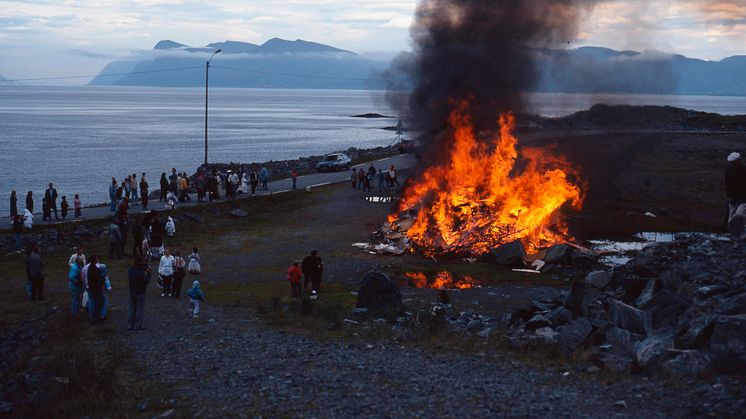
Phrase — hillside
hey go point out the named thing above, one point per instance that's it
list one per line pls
(277, 63)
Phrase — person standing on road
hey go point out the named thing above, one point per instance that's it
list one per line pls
(353, 178)
(392, 172)
(51, 196)
(294, 177)
(78, 206)
(164, 187)
(115, 239)
(144, 190)
(133, 190)
(126, 189)
(138, 276)
(64, 206)
(35, 268)
(30, 202)
(264, 178)
(183, 187)
(113, 191)
(381, 180)
(312, 268)
(46, 212)
(13, 205)
(201, 187)
(172, 182)
(75, 278)
(254, 181)
(166, 271)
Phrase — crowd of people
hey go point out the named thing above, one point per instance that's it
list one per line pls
(366, 179)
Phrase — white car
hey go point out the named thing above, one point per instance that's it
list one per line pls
(334, 162)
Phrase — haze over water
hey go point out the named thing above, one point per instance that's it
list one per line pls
(79, 137)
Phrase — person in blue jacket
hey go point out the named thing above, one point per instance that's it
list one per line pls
(75, 277)
(196, 296)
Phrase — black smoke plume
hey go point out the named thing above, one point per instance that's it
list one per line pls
(485, 50)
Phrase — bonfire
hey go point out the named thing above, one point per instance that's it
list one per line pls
(486, 193)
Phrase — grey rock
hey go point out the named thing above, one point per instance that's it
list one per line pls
(653, 351)
(377, 291)
(615, 363)
(599, 279)
(238, 212)
(559, 316)
(630, 318)
(510, 254)
(733, 305)
(647, 293)
(688, 364)
(664, 308)
(546, 298)
(572, 335)
(580, 298)
(537, 321)
(558, 254)
(622, 341)
(729, 340)
(695, 333)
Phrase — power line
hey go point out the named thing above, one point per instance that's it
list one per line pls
(102, 75)
(305, 76)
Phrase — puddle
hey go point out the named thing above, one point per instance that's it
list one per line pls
(440, 280)
(616, 253)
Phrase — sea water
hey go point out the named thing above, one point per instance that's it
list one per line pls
(79, 137)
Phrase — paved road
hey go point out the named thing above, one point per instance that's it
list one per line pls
(314, 180)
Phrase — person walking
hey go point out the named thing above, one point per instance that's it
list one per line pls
(312, 268)
(166, 271)
(164, 187)
(51, 197)
(75, 279)
(294, 177)
(113, 191)
(35, 268)
(115, 239)
(138, 276)
(13, 205)
(196, 297)
(179, 274)
(144, 190)
(30, 202)
(64, 206)
(294, 274)
(78, 206)
(392, 172)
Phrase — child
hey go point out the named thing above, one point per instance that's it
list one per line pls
(78, 205)
(179, 274)
(196, 296)
(170, 227)
(64, 205)
(294, 275)
(194, 266)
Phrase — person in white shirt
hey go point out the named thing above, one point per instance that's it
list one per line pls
(166, 271)
(78, 254)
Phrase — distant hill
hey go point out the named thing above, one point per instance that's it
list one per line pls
(603, 70)
(276, 63)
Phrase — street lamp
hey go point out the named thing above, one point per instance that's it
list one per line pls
(207, 72)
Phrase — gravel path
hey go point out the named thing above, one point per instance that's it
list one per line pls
(228, 362)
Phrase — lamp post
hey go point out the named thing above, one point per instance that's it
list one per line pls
(207, 73)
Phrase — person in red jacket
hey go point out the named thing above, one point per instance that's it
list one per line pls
(294, 276)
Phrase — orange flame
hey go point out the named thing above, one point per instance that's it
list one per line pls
(441, 280)
(479, 199)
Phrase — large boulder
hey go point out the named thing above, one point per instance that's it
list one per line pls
(630, 318)
(651, 352)
(688, 364)
(559, 254)
(572, 335)
(378, 292)
(729, 340)
(599, 279)
(510, 254)
(665, 308)
(582, 295)
(622, 341)
(695, 332)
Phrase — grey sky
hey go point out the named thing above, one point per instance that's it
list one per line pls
(76, 37)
